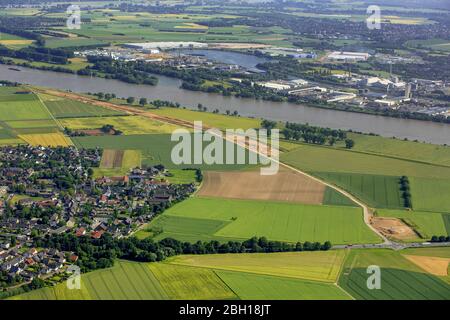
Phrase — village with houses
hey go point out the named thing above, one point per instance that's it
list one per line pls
(52, 191)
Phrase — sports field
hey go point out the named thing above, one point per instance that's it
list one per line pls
(377, 191)
(127, 124)
(46, 139)
(316, 265)
(65, 108)
(286, 185)
(400, 278)
(262, 287)
(276, 220)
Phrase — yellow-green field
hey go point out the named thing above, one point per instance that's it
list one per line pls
(127, 124)
(47, 139)
(189, 283)
(317, 265)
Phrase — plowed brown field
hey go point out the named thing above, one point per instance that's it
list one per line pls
(284, 186)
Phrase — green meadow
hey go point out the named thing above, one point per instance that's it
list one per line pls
(274, 220)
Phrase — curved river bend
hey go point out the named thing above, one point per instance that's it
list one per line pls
(169, 89)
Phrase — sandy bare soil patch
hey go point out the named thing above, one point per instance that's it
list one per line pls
(434, 265)
(112, 159)
(394, 228)
(284, 186)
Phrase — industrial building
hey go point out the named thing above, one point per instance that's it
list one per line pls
(348, 56)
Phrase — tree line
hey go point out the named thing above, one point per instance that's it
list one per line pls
(101, 253)
(405, 192)
(316, 135)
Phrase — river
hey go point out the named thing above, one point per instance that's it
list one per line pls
(169, 89)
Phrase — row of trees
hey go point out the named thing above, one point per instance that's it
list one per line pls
(101, 253)
(55, 56)
(315, 135)
(440, 239)
(405, 191)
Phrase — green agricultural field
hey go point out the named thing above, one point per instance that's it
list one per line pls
(65, 108)
(426, 224)
(126, 280)
(321, 266)
(262, 287)
(323, 159)
(400, 279)
(185, 229)
(407, 150)
(278, 220)
(156, 149)
(31, 109)
(127, 124)
(189, 283)
(430, 194)
(209, 119)
(376, 191)
(334, 198)
(26, 124)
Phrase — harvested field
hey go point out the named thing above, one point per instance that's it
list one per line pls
(284, 186)
(394, 228)
(112, 159)
(434, 265)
